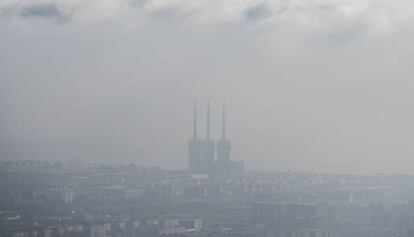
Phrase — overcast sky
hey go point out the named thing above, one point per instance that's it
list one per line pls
(311, 85)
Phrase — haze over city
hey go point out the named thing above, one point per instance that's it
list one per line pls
(206, 118)
(321, 86)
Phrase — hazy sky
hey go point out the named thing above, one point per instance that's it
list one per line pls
(315, 85)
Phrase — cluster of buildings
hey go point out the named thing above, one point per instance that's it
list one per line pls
(214, 197)
(110, 226)
(292, 219)
(41, 164)
(209, 157)
(127, 202)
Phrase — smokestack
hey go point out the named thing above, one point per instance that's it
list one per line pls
(223, 123)
(208, 121)
(195, 121)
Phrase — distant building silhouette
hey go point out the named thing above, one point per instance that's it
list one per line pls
(223, 149)
(202, 152)
(196, 147)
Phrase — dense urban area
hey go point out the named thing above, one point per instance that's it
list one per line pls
(45, 198)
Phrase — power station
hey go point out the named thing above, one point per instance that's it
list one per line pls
(202, 152)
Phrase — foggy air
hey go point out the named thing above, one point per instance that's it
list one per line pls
(183, 118)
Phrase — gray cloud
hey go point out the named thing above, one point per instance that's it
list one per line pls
(383, 16)
(44, 10)
(258, 12)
